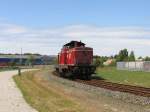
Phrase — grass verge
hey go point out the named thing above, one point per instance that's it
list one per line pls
(7, 69)
(41, 98)
(125, 77)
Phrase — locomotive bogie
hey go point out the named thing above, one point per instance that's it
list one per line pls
(76, 71)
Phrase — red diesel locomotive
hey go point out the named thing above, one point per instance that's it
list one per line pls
(75, 61)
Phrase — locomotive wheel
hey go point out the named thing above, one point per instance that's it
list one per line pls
(68, 74)
(84, 77)
(61, 74)
(73, 77)
(88, 77)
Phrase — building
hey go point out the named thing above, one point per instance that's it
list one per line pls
(109, 62)
(134, 66)
(6, 60)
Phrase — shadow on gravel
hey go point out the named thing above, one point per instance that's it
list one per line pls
(97, 78)
(92, 77)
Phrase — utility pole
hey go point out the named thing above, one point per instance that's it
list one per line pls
(21, 57)
(19, 68)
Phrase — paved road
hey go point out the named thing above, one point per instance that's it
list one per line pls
(11, 99)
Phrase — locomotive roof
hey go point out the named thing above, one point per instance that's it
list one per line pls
(72, 43)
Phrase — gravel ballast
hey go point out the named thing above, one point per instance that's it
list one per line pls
(126, 97)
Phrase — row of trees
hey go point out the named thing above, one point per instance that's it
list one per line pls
(123, 55)
(35, 54)
(147, 58)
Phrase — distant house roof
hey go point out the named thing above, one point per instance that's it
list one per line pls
(108, 62)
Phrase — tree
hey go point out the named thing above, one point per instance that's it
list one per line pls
(131, 56)
(123, 55)
(96, 61)
(147, 58)
(99, 60)
(140, 57)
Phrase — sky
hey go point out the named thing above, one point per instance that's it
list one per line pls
(43, 26)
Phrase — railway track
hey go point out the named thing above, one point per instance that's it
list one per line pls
(141, 91)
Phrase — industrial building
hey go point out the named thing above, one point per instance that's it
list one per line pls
(134, 66)
(6, 60)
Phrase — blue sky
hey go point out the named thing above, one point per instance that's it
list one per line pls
(46, 13)
(45, 25)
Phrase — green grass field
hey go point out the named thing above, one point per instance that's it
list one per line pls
(125, 77)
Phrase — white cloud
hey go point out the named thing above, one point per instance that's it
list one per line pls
(11, 29)
(104, 40)
(108, 32)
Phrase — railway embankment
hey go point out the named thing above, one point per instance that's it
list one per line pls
(126, 97)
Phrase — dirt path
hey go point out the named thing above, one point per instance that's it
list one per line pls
(11, 99)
